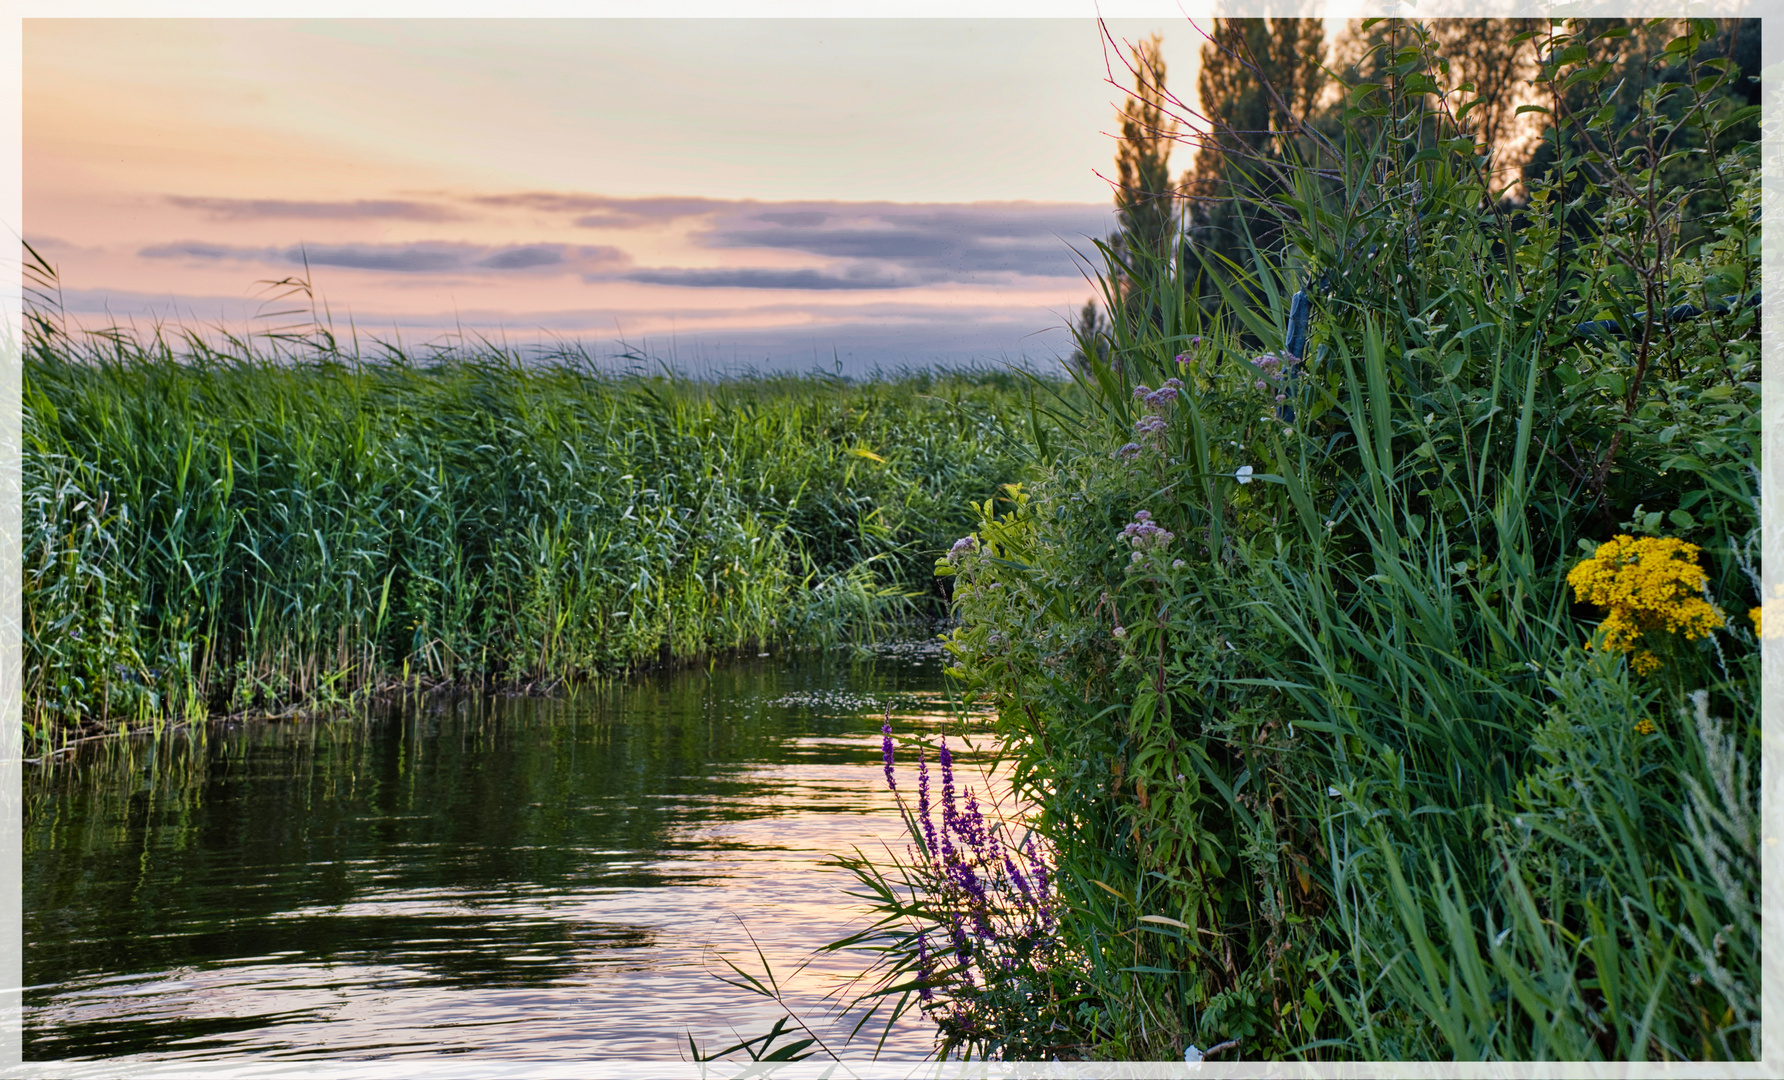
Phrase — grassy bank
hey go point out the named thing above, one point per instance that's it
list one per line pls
(259, 529)
(1382, 649)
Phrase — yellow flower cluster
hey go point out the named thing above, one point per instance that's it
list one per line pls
(1649, 585)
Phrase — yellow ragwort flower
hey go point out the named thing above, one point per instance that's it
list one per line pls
(1645, 727)
(1754, 615)
(1647, 586)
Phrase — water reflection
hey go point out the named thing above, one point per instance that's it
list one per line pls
(500, 877)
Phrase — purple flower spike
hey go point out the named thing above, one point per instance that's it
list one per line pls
(886, 752)
(932, 851)
(948, 811)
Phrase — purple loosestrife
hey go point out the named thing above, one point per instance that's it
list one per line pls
(948, 811)
(986, 897)
(962, 875)
(1015, 873)
(963, 950)
(1038, 868)
(886, 751)
(973, 826)
(933, 852)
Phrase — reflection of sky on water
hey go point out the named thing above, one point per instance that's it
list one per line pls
(332, 892)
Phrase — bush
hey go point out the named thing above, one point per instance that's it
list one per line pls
(1283, 644)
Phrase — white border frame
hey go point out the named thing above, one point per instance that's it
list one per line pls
(448, 1067)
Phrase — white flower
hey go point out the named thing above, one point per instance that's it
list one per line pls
(1242, 474)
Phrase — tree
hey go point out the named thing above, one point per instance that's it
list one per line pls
(1091, 334)
(1261, 79)
(1145, 197)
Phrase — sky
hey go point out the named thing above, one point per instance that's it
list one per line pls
(720, 194)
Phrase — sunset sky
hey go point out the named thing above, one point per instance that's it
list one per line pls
(723, 193)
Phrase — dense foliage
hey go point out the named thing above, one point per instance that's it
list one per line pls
(240, 531)
(1334, 760)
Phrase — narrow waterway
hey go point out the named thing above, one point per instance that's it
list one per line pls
(515, 878)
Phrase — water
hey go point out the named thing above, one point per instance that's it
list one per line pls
(501, 878)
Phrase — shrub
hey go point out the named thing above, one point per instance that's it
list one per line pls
(1287, 658)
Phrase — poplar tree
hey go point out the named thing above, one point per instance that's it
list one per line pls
(1260, 79)
(1145, 197)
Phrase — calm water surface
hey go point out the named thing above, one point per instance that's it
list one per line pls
(503, 877)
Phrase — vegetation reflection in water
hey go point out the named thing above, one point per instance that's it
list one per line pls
(504, 877)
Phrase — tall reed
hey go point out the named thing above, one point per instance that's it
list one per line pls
(1334, 760)
(254, 526)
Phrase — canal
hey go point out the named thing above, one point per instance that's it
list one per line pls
(499, 877)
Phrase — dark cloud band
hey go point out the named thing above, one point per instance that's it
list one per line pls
(856, 277)
(349, 210)
(418, 258)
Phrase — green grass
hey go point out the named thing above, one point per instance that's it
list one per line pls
(1344, 733)
(279, 526)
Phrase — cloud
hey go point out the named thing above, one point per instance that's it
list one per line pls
(877, 245)
(349, 210)
(710, 340)
(606, 212)
(854, 277)
(426, 257)
(525, 258)
(192, 249)
(926, 244)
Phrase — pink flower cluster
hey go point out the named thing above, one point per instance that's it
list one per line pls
(1144, 534)
(1157, 401)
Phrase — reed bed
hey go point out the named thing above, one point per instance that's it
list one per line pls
(277, 526)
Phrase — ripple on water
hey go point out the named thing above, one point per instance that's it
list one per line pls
(504, 878)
